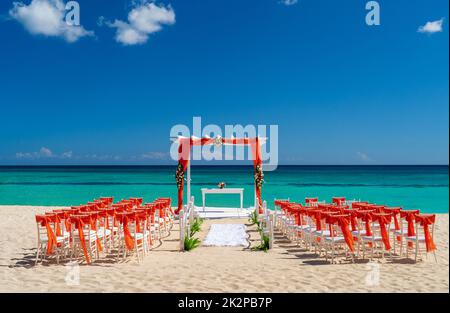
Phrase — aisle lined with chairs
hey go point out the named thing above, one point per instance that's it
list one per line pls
(356, 229)
(102, 229)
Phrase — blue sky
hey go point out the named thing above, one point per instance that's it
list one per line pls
(342, 92)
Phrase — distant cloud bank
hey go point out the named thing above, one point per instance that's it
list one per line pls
(43, 153)
(363, 157)
(47, 18)
(432, 27)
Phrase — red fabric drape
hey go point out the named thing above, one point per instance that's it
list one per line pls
(383, 221)
(79, 223)
(124, 219)
(343, 222)
(184, 151)
(426, 221)
(410, 218)
(51, 238)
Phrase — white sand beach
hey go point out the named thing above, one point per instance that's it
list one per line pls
(286, 268)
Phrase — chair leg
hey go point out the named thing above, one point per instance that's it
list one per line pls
(417, 250)
(435, 258)
(395, 239)
(401, 246)
(332, 253)
(37, 253)
(137, 252)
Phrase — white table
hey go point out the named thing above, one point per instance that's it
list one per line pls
(239, 191)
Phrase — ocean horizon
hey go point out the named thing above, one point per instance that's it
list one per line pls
(423, 187)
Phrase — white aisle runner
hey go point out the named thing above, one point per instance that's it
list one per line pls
(226, 235)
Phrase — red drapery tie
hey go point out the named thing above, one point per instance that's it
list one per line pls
(311, 200)
(79, 224)
(51, 238)
(94, 218)
(343, 222)
(426, 221)
(317, 219)
(366, 217)
(395, 212)
(410, 217)
(353, 221)
(338, 200)
(383, 220)
(124, 219)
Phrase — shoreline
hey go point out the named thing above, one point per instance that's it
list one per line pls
(286, 268)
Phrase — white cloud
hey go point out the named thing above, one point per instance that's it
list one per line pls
(67, 155)
(289, 2)
(47, 17)
(155, 155)
(45, 152)
(363, 156)
(432, 27)
(42, 153)
(143, 20)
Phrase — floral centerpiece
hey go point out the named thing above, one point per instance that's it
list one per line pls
(221, 185)
(179, 176)
(259, 176)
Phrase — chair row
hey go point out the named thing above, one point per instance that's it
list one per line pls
(356, 228)
(101, 228)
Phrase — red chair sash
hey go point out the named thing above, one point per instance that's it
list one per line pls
(124, 219)
(383, 221)
(44, 221)
(409, 216)
(343, 222)
(366, 217)
(80, 222)
(426, 221)
(338, 200)
(311, 200)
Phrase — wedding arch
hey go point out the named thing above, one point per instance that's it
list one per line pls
(184, 152)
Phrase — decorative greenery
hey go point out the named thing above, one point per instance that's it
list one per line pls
(191, 243)
(264, 245)
(196, 226)
(179, 175)
(253, 218)
(259, 176)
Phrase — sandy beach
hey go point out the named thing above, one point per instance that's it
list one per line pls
(286, 268)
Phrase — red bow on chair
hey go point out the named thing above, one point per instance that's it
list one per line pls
(79, 222)
(410, 217)
(124, 219)
(343, 222)
(426, 221)
(51, 238)
(383, 220)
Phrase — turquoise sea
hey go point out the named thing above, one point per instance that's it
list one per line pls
(422, 187)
